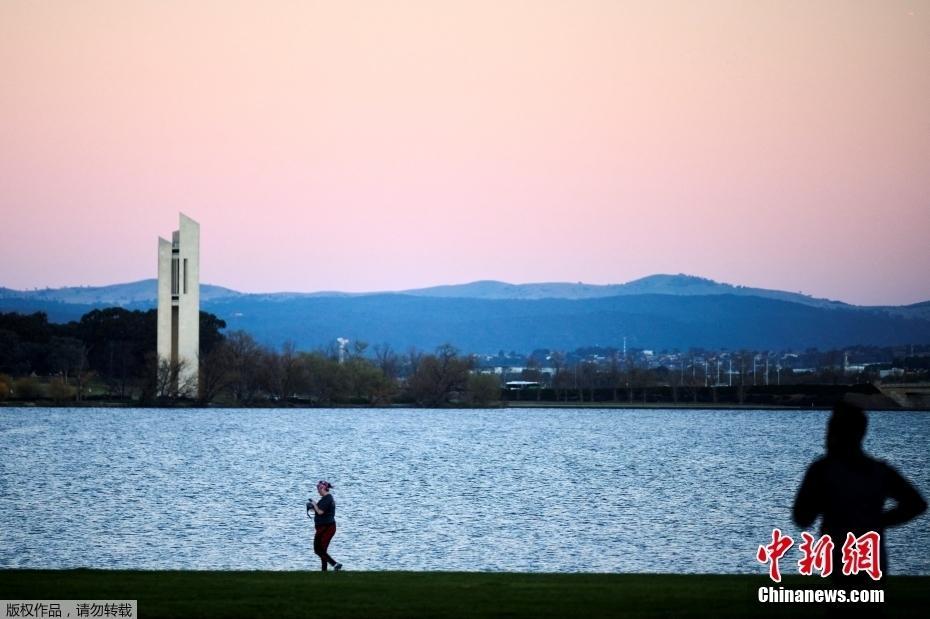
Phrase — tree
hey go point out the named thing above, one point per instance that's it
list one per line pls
(413, 360)
(27, 388)
(82, 378)
(327, 380)
(294, 378)
(285, 372)
(367, 381)
(587, 375)
(216, 373)
(122, 367)
(439, 378)
(59, 390)
(6, 387)
(172, 381)
(9, 352)
(30, 327)
(614, 376)
(560, 378)
(483, 389)
(387, 360)
(117, 342)
(210, 332)
(245, 357)
(66, 355)
(358, 348)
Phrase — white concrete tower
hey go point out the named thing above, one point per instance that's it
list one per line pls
(179, 303)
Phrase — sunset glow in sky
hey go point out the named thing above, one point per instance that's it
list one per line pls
(389, 144)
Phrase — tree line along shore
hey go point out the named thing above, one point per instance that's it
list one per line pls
(108, 358)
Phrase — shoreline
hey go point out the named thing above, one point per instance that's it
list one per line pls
(517, 405)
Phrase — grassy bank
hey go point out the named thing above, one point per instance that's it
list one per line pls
(436, 594)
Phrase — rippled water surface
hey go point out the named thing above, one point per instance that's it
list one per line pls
(516, 490)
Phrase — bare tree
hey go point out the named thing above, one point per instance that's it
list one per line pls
(281, 374)
(68, 357)
(216, 373)
(119, 367)
(614, 376)
(246, 360)
(587, 374)
(358, 348)
(173, 381)
(387, 360)
(413, 360)
(560, 378)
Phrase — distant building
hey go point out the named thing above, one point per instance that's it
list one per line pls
(516, 385)
(179, 305)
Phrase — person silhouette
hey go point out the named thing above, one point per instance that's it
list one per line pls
(849, 489)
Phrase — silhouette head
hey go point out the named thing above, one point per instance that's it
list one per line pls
(846, 429)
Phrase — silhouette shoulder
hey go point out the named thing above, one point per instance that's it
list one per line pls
(818, 466)
(885, 465)
(888, 471)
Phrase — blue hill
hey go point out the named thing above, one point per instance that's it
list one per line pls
(662, 311)
(489, 325)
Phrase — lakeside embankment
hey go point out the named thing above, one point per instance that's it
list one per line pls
(503, 405)
(890, 396)
(525, 404)
(371, 595)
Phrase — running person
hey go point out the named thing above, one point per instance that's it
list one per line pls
(324, 519)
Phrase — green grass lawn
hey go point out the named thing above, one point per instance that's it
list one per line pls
(436, 594)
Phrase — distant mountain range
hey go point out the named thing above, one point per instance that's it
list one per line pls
(141, 292)
(146, 291)
(678, 285)
(660, 311)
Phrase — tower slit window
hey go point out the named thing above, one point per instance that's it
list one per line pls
(174, 275)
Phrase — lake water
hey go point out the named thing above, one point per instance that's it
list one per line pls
(556, 490)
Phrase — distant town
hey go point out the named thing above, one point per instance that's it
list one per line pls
(721, 368)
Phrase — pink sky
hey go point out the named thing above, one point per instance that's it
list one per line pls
(394, 144)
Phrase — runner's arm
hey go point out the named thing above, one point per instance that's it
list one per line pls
(909, 502)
